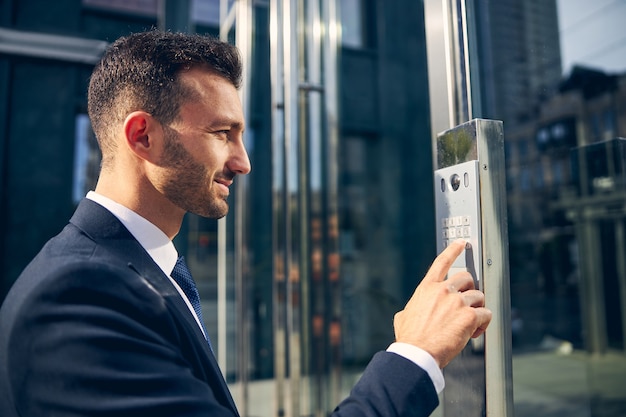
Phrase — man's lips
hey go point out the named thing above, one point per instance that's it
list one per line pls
(223, 185)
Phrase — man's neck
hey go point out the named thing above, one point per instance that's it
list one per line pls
(149, 205)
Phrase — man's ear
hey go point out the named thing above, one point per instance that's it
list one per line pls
(143, 134)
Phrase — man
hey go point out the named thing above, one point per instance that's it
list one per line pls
(99, 322)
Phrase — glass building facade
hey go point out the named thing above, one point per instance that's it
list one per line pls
(335, 226)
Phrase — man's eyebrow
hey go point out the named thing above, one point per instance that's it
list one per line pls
(226, 121)
(233, 124)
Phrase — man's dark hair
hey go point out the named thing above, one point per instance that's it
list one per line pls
(140, 72)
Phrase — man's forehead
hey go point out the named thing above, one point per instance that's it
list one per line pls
(207, 88)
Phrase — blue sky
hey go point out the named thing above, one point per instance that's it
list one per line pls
(593, 33)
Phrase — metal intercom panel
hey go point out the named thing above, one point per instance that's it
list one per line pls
(470, 204)
(458, 215)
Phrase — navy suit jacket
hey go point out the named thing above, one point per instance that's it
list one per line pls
(93, 327)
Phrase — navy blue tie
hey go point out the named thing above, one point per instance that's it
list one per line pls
(183, 278)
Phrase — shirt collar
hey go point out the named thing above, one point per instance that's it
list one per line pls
(151, 238)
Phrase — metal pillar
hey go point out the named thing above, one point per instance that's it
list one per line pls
(451, 46)
(592, 295)
(620, 247)
(236, 22)
(303, 47)
(479, 382)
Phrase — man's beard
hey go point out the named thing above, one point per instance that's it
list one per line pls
(188, 184)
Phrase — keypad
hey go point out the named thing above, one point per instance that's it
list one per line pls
(456, 227)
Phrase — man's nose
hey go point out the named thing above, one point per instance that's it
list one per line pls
(240, 162)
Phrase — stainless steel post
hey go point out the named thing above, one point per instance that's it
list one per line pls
(479, 381)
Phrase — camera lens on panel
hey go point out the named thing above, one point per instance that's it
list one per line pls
(455, 181)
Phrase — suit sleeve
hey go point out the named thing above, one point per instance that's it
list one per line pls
(94, 340)
(391, 386)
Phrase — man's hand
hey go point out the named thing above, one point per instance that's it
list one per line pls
(442, 315)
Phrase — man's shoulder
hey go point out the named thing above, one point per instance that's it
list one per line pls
(69, 247)
(67, 259)
(74, 258)
(72, 269)
(93, 239)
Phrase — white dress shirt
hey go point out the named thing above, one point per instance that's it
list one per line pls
(151, 238)
(164, 254)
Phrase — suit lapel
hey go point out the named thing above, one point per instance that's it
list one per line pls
(110, 234)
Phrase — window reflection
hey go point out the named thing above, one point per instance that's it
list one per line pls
(567, 200)
(86, 158)
(352, 29)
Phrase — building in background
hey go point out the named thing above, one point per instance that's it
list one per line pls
(566, 195)
(545, 115)
(549, 184)
(520, 57)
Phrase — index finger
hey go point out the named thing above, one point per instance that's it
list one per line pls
(444, 261)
